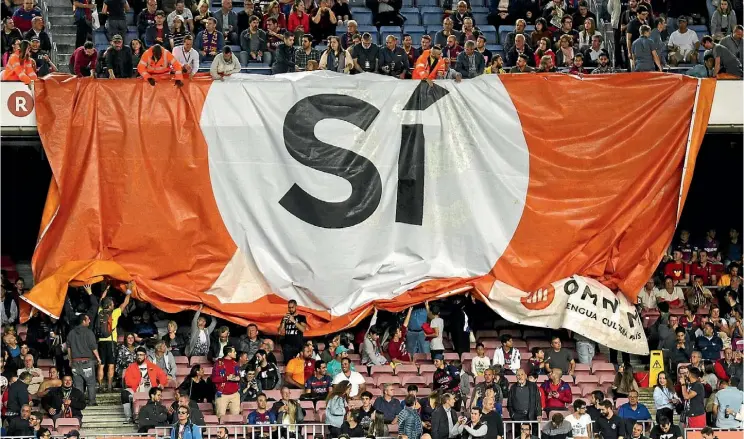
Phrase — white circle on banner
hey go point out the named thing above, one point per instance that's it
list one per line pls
(476, 176)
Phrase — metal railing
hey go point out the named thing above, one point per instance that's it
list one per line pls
(274, 431)
(48, 27)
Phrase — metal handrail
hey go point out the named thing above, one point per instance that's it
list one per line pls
(48, 27)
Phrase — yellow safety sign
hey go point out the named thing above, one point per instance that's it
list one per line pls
(656, 362)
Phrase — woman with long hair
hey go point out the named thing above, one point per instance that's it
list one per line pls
(273, 11)
(541, 31)
(546, 65)
(428, 405)
(543, 49)
(378, 428)
(336, 406)
(590, 30)
(565, 55)
(196, 386)
(126, 353)
(184, 428)
(299, 18)
(624, 381)
(20, 65)
(336, 58)
(665, 398)
(137, 51)
(288, 418)
(723, 21)
(177, 32)
(200, 19)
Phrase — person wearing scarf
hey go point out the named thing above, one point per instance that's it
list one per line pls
(65, 401)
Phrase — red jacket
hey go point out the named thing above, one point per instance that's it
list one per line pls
(564, 395)
(132, 376)
(223, 368)
(295, 20)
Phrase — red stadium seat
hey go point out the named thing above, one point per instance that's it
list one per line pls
(451, 356)
(584, 377)
(275, 395)
(207, 408)
(181, 361)
(519, 344)
(310, 416)
(424, 391)
(406, 368)
(199, 360)
(232, 419)
(427, 369)
(606, 377)
(66, 425)
(487, 333)
(48, 423)
(43, 362)
(370, 381)
(419, 357)
(600, 366)
(583, 367)
(211, 420)
(384, 369)
(320, 405)
(620, 401)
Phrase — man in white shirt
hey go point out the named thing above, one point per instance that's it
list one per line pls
(355, 378)
(683, 44)
(187, 56)
(670, 294)
(647, 296)
(188, 18)
(581, 422)
(507, 355)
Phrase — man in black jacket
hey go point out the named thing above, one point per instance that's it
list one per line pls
(146, 18)
(469, 62)
(65, 401)
(119, 59)
(37, 31)
(440, 425)
(20, 425)
(153, 414)
(196, 416)
(285, 55)
(18, 394)
(524, 402)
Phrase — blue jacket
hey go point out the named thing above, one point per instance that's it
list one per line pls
(192, 431)
(711, 349)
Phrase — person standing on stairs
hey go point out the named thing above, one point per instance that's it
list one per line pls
(82, 350)
(108, 336)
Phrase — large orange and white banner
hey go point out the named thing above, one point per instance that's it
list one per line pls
(541, 193)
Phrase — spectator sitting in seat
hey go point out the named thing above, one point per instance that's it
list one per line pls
(137, 51)
(305, 53)
(119, 63)
(665, 430)
(8, 308)
(146, 18)
(275, 36)
(300, 369)
(334, 366)
(565, 55)
(624, 381)
(249, 385)
(162, 358)
(261, 415)
(83, 60)
(140, 376)
(23, 16)
(37, 31)
(557, 428)
(223, 66)
(244, 17)
(480, 47)
(566, 30)
(20, 425)
(37, 376)
(522, 66)
(203, 14)
(725, 62)
(698, 296)
(507, 355)
(184, 401)
(511, 37)
(288, 411)
(49, 383)
(253, 49)
(366, 412)
(209, 42)
(273, 10)
(541, 31)
(728, 367)
(159, 62)
(555, 393)
(587, 36)
(65, 401)
(636, 431)
(188, 20)
(577, 67)
(387, 404)
(441, 38)
(371, 352)
(393, 62)
(481, 389)
(227, 22)
(34, 422)
(723, 21)
(647, 295)
(11, 37)
(536, 362)
(703, 267)
(347, 39)
(342, 11)
(153, 414)
(324, 22)
(524, 400)
(580, 421)
(175, 342)
(318, 385)
(583, 14)
(177, 32)
(671, 294)
(543, 49)
(126, 353)
(158, 32)
(358, 385)
(709, 344)
(633, 411)
(677, 269)
(459, 15)
(559, 357)
(452, 50)
(609, 425)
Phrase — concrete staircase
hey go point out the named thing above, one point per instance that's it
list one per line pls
(63, 31)
(107, 417)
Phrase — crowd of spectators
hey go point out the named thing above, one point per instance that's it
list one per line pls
(302, 35)
(105, 342)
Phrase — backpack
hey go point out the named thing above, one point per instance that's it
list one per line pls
(104, 324)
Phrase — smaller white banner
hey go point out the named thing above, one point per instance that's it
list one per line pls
(18, 105)
(579, 304)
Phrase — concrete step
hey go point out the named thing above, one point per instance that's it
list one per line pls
(60, 10)
(100, 431)
(61, 20)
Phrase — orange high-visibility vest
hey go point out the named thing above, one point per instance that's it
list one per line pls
(17, 70)
(421, 71)
(148, 67)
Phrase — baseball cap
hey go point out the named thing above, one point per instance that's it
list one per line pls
(438, 357)
(73, 433)
(682, 18)
(340, 350)
(35, 39)
(117, 37)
